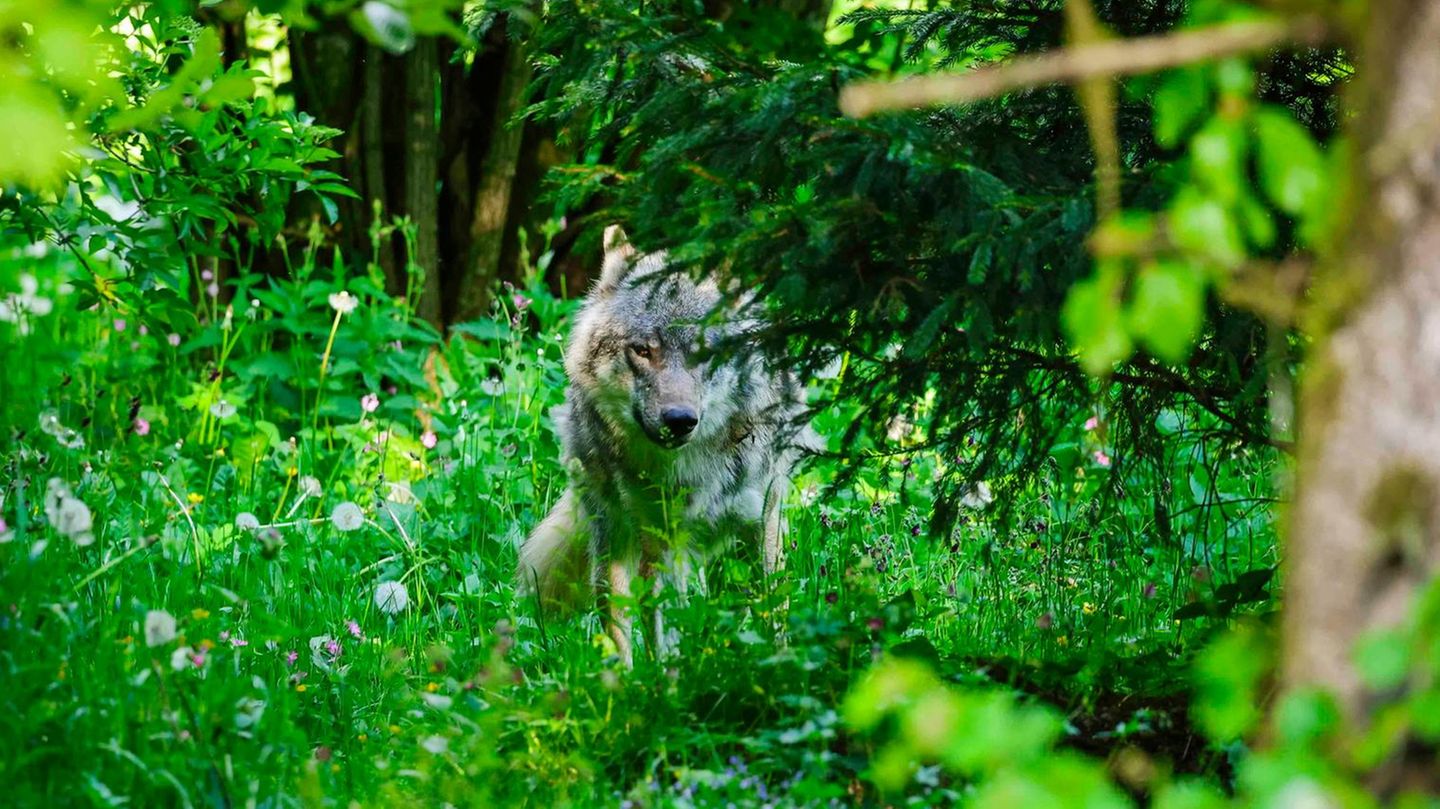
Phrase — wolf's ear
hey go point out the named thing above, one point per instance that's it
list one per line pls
(618, 252)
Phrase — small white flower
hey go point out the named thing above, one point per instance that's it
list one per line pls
(343, 302)
(159, 628)
(492, 386)
(435, 744)
(391, 597)
(246, 521)
(222, 409)
(309, 486)
(347, 517)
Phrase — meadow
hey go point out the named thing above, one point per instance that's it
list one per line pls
(270, 562)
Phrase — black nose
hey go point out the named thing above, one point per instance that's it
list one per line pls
(680, 421)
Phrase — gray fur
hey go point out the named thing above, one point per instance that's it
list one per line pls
(642, 499)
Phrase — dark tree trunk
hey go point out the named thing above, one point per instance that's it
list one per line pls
(491, 206)
(422, 74)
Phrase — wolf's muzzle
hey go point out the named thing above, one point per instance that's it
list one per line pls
(679, 421)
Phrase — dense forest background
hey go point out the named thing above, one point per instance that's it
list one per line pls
(1091, 299)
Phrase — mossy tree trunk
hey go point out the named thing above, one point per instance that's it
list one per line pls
(1364, 535)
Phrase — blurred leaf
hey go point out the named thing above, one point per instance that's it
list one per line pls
(1182, 98)
(1093, 321)
(1291, 167)
(1168, 309)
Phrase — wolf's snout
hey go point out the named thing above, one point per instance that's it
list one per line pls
(680, 421)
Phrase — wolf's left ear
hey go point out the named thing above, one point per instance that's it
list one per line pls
(618, 252)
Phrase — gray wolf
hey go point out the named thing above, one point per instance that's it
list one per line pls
(675, 452)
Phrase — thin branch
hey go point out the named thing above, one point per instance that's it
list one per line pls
(1119, 57)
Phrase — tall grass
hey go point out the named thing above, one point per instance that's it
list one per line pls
(242, 481)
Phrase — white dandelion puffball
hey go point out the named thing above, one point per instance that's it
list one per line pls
(246, 521)
(222, 409)
(391, 597)
(344, 302)
(310, 486)
(67, 514)
(159, 628)
(347, 517)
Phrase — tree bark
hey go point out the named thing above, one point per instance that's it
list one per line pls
(422, 173)
(1365, 528)
(491, 200)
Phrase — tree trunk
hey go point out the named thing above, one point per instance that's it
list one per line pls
(1365, 529)
(491, 201)
(422, 173)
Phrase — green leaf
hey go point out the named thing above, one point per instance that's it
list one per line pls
(1217, 154)
(1290, 164)
(1227, 679)
(1168, 309)
(1182, 98)
(1093, 321)
(1201, 225)
(1382, 658)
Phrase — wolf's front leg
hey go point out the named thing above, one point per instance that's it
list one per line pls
(619, 573)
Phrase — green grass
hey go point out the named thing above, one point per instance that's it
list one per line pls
(1067, 593)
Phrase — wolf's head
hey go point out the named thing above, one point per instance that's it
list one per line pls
(638, 351)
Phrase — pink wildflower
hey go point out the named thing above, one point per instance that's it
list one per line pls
(1101, 458)
(369, 403)
(354, 629)
(429, 439)
(521, 302)
(173, 340)
(141, 426)
(238, 642)
(206, 275)
(1091, 423)
(333, 647)
(143, 330)
(213, 290)
(119, 324)
(291, 656)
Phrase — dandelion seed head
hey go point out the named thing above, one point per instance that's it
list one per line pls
(160, 628)
(246, 521)
(343, 302)
(222, 409)
(391, 597)
(347, 517)
(310, 486)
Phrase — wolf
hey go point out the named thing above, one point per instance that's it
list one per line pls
(675, 451)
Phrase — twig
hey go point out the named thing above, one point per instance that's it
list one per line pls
(1119, 57)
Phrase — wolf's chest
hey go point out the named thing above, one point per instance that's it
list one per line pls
(695, 494)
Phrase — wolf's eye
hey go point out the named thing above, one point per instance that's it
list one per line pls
(640, 350)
